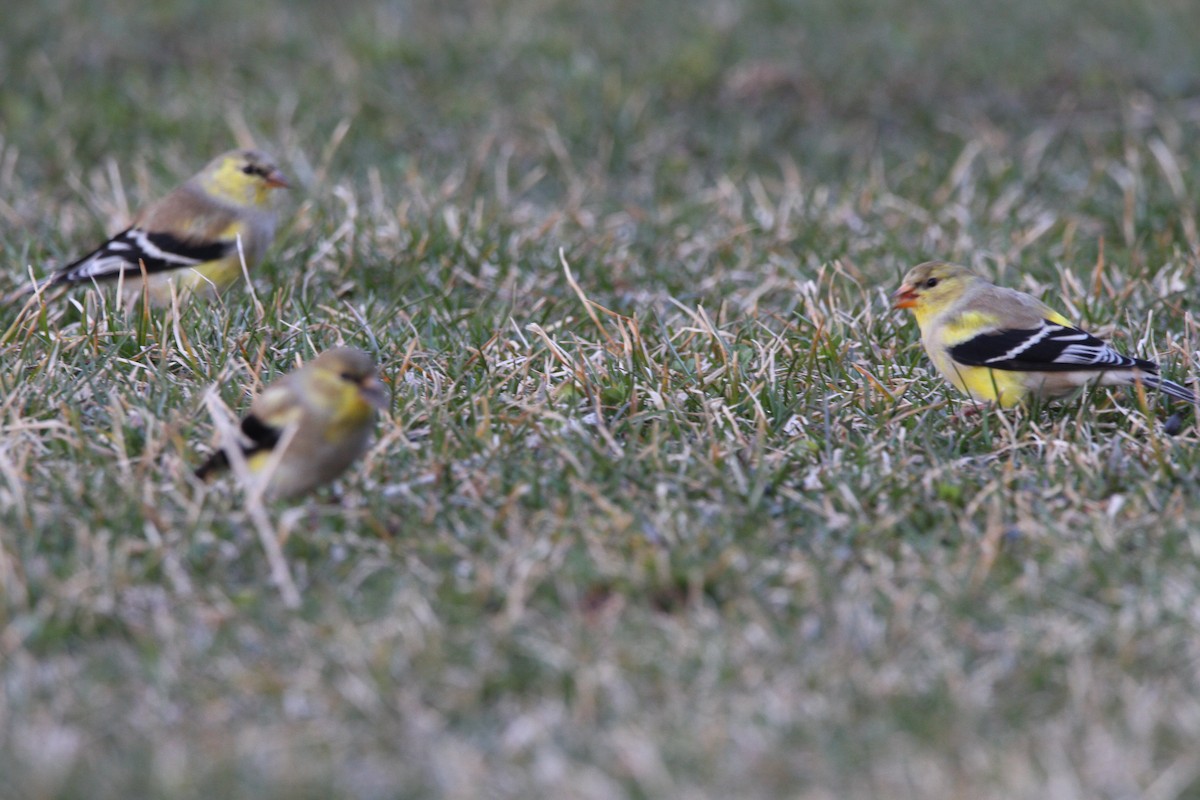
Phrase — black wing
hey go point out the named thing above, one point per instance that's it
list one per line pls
(1049, 348)
(133, 248)
(260, 436)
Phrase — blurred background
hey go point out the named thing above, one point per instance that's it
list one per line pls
(645, 93)
(604, 107)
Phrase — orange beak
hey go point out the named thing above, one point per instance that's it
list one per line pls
(904, 297)
(277, 180)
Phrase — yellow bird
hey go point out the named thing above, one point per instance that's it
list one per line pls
(306, 428)
(1002, 345)
(187, 241)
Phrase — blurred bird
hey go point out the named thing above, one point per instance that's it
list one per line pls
(1002, 345)
(188, 239)
(307, 427)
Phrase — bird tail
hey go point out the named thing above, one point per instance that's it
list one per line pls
(1169, 388)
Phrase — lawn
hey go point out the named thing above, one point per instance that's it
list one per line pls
(668, 501)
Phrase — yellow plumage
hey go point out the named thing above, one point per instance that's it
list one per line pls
(191, 241)
(306, 428)
(1000, 345)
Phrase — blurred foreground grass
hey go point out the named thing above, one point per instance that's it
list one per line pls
(668, 503)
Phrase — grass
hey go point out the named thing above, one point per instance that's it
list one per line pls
(668, 503)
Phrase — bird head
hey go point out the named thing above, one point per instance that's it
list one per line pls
(356, 369)
(258, 165)
(927, 284)
(243, 177)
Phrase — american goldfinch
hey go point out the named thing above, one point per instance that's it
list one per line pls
(1004, 345)
(307, 427)
(188, 239)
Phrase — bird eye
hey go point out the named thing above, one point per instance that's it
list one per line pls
(348, 377)
(932, 282)
(253, 169)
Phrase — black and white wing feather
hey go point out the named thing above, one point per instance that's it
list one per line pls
(133, 250)
(1051, 347)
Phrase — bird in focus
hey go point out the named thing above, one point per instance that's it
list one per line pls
(1001, 345)
(192, 240)
(307, 427)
